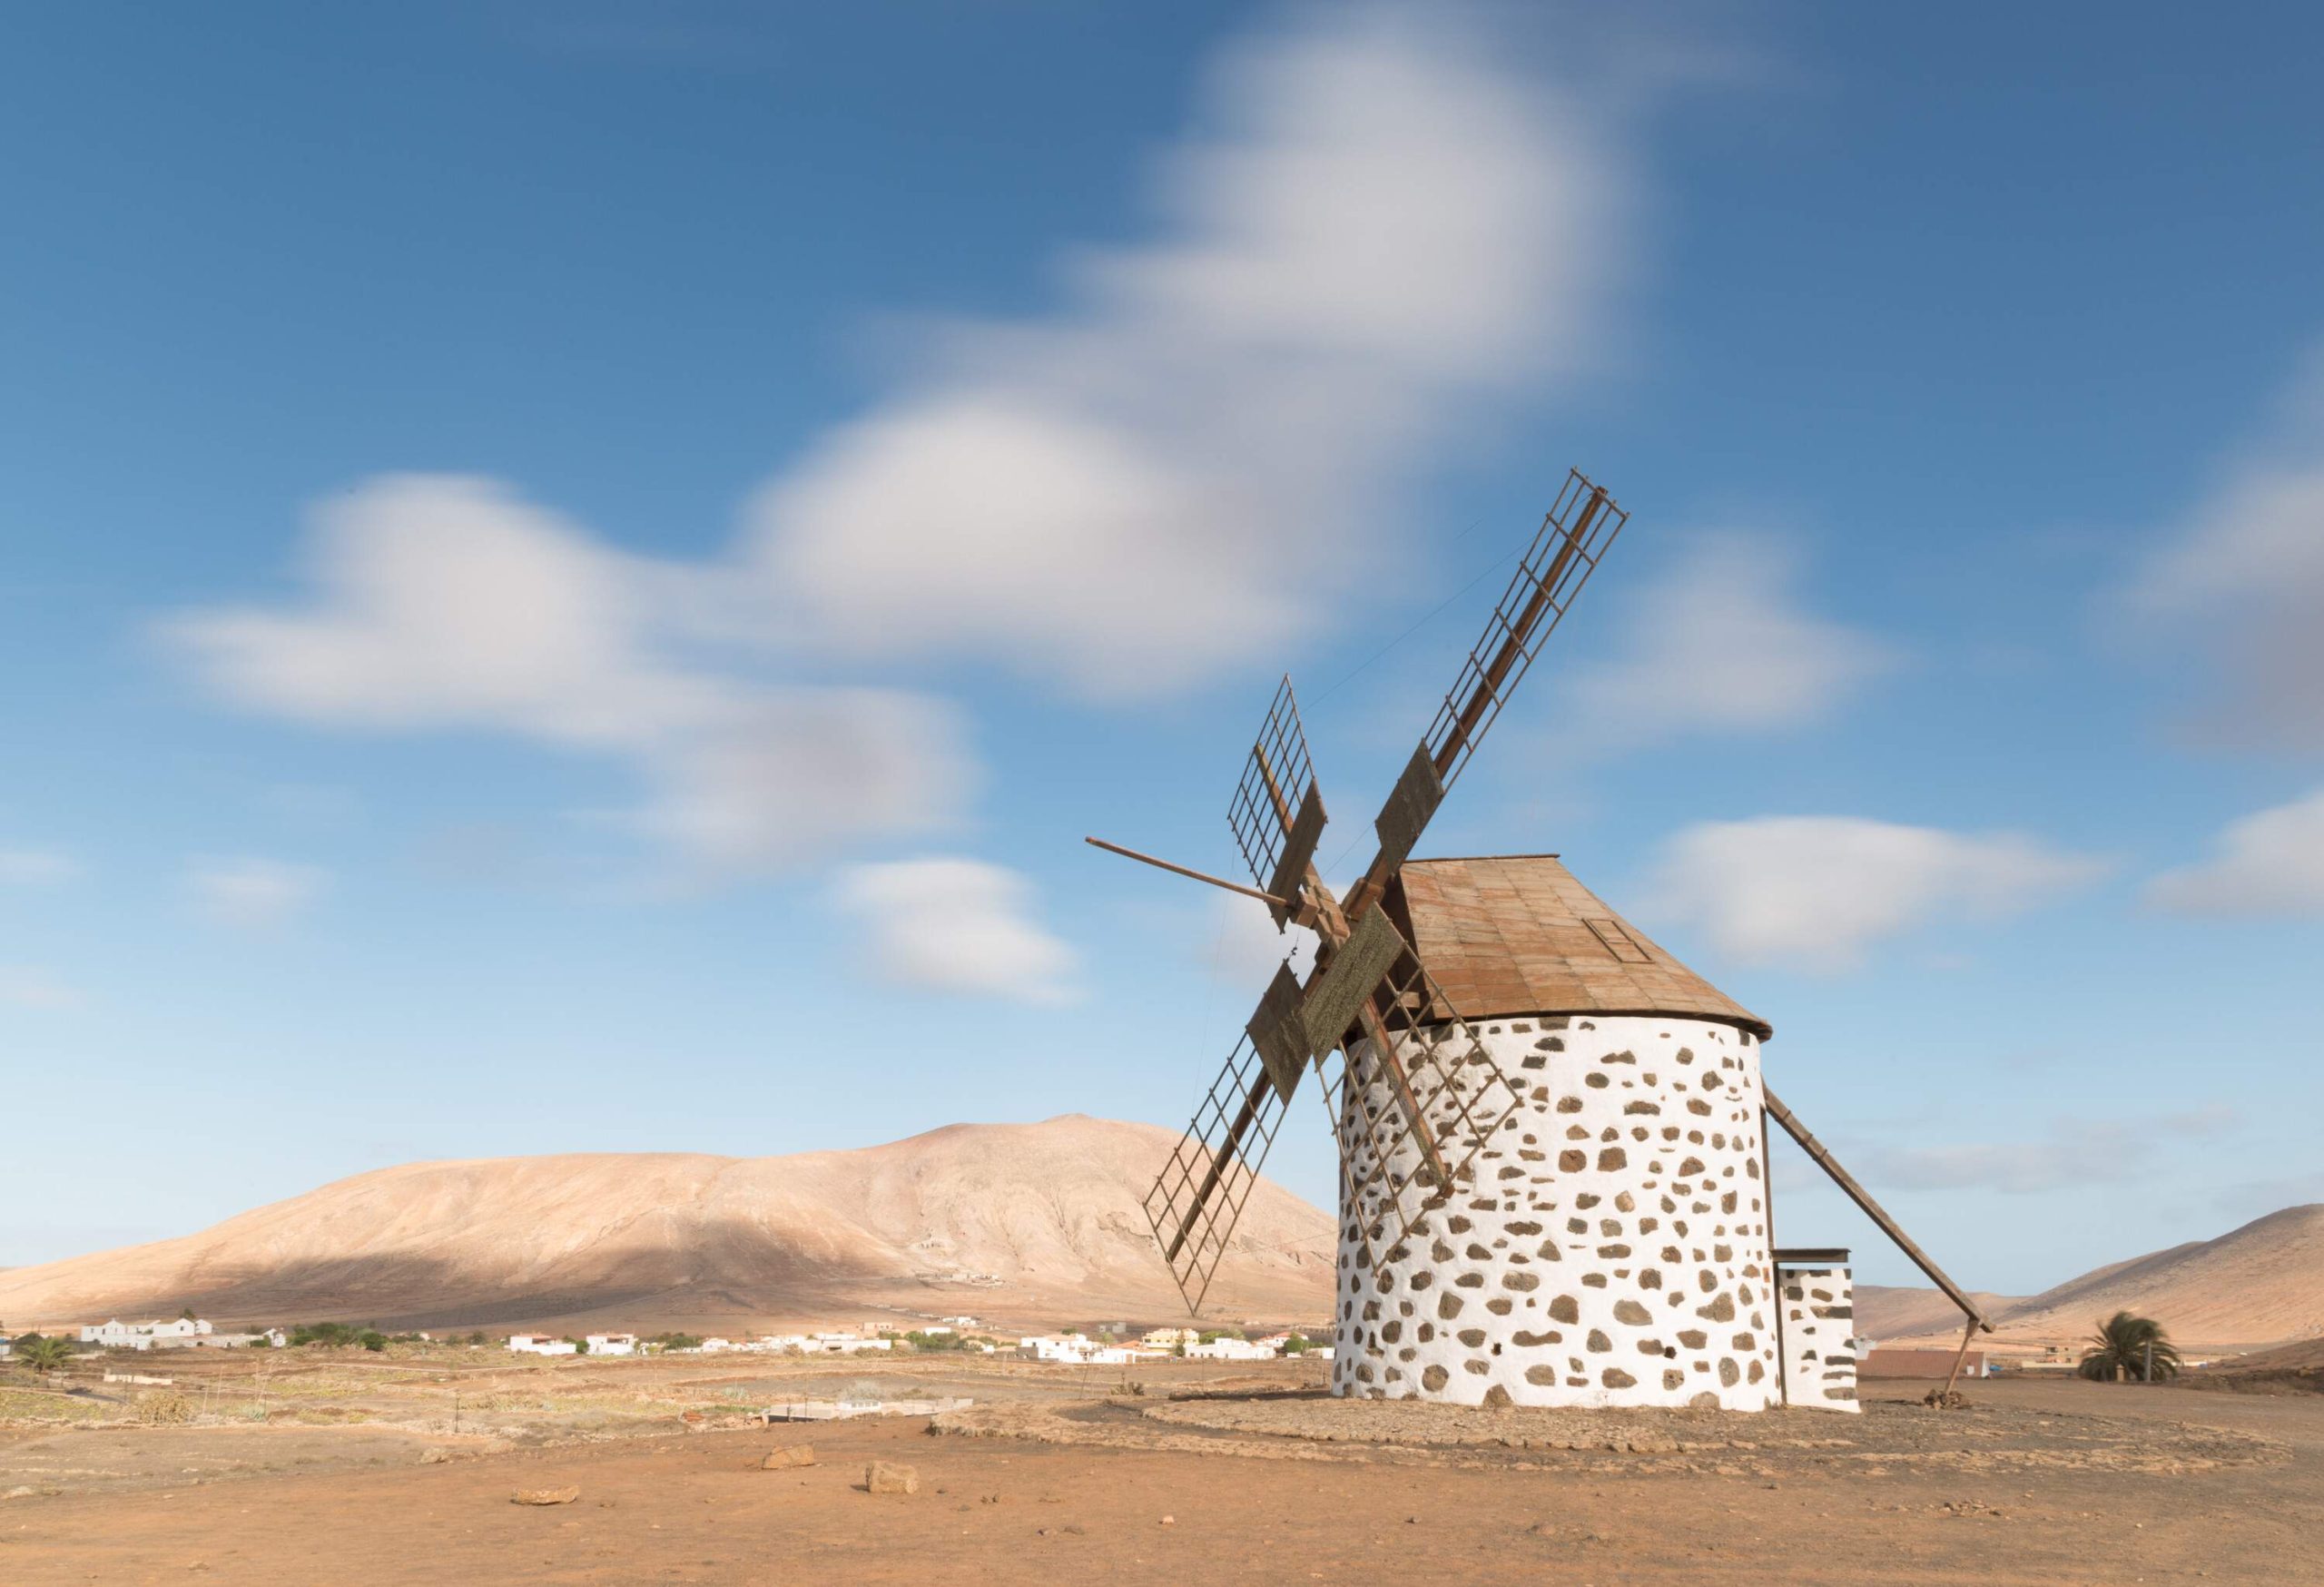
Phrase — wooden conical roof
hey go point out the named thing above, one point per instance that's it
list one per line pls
(1517, 934)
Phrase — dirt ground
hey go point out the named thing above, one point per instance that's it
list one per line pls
(1065, 1477)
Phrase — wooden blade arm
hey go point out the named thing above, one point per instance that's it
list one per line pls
(1394, 1066)
(1228, 1150)
(1514, 645)
(1872, 1209)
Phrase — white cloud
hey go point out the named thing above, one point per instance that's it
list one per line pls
(448, 602)
(2075, 1152)
(2244, 577)
(957, 925)
(36, 867)
(2270, 862)
(1817, 891)
(1378, 225)
(1377, 222)
(1723, 643)
(254, 892)
(1245, 948)
(26, 986)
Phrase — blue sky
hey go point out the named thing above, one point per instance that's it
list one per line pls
(575, 575)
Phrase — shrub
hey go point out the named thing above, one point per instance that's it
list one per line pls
(331, 1336)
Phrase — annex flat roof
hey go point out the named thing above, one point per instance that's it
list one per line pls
(1517, 934)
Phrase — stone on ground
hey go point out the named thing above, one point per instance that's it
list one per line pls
(886, 1477)
(545, 1495)
(782, 1459)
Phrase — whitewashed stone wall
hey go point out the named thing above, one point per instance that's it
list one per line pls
(1819, 1328)
(1607, 1245)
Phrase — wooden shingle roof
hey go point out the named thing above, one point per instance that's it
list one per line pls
(1517, 934)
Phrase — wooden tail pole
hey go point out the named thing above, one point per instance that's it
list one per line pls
(1189, 871)
(1877, 1214)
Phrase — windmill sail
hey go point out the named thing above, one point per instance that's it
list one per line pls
(1198, 1198)
(1580, 525)
(1414, 1098)
(1277, 814)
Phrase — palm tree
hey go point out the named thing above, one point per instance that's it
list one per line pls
(43, 1354)
(2129, 1347)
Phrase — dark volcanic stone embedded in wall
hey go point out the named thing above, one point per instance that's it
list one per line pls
(1579, 1130)
(1819, 1362)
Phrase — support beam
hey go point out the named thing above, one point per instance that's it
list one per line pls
(1961, 1354)
(1873, 1210)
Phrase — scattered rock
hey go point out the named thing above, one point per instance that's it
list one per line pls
(798, 1454)
(18, 1494)
(1169, 1521)
(544, 1496)
(885, 1477)
(434, 1456)
(1940, 1400)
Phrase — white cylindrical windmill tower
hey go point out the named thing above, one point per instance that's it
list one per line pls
(1606, 1242)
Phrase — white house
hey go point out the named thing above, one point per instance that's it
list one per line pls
(1077, 1350)
(116, 1334)
(612, 1344)
(540, 1345)
(1230, 1348)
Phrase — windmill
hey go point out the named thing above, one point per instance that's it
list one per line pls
(1550, 1133)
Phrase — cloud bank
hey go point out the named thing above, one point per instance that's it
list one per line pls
(2075, 1153)
(956, 925)
(2270, 862)
(1816, 891)
(1374, 224)
(2243, 579)
(445, 602)
(254, 893)
(1723, 642)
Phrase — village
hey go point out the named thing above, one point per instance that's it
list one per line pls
(1104, 1346)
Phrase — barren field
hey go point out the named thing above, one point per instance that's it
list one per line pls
(311, 1467)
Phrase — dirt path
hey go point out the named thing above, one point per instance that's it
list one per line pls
(696, 1509)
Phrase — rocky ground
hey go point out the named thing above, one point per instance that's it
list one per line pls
(1253, 1478)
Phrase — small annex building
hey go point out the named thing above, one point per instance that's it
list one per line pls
(1610, 1245)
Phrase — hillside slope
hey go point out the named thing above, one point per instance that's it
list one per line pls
(2259, 1284)
(2256, 1285)
(1034, 1222)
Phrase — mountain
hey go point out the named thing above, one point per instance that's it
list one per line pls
(2258, 1284)
(1021, 1222)
(1886, 1313)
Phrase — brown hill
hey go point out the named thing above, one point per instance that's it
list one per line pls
(1036, 1223)
(2259, 1284)
(1903, 1311)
